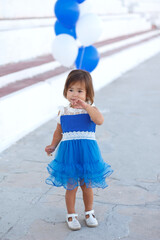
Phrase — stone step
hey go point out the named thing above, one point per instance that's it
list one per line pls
(16, 76)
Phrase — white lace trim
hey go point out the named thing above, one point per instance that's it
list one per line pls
(78, 135)
(72, 111)
(69, 111)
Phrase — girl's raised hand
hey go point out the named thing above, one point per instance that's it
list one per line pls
(79, 104)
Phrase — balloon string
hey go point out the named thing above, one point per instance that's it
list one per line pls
(81, 59)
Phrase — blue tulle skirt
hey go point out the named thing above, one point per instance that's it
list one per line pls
(77, 162)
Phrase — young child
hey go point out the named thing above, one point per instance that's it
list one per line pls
(78, 161)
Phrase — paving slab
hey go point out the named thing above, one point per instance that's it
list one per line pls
(129, 209)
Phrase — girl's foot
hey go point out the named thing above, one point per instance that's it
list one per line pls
(90, 219)
(73, 222)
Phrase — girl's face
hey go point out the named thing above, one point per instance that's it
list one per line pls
(76, 91)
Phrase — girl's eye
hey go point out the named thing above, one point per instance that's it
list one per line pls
(80, 91)
(70, 90)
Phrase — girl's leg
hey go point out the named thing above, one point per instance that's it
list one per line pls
(87, 197)
(70, 198)
(71, 220)
(91, 220)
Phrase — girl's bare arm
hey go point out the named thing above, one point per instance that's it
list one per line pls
(57, 136)
(95, 114)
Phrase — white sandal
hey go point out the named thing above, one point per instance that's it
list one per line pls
(91, 221)
(74, 224)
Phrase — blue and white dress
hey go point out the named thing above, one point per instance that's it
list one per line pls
(78, 159)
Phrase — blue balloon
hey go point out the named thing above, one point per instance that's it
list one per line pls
(87, 59)
(67, 12)
(80, 1)
(60, 29)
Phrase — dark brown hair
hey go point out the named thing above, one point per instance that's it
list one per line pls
(82, 76)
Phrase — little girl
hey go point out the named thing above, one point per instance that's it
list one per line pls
(78, 161)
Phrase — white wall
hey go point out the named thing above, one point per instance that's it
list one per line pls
(25, 110)
(44, 8)
(122, 25)
(25, 39)
(26, 8)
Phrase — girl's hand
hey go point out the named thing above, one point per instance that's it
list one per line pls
(78, 103)
(49, 149)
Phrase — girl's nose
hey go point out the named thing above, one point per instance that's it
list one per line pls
(74, 94)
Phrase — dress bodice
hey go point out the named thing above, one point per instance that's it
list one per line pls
(76, 124)
(79, 122)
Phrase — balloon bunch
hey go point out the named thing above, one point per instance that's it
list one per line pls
(76, 30)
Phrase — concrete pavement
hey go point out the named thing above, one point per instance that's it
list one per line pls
(129, 209)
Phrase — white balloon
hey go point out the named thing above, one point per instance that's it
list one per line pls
(88, 29)
(85, 8)
(65, 49)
